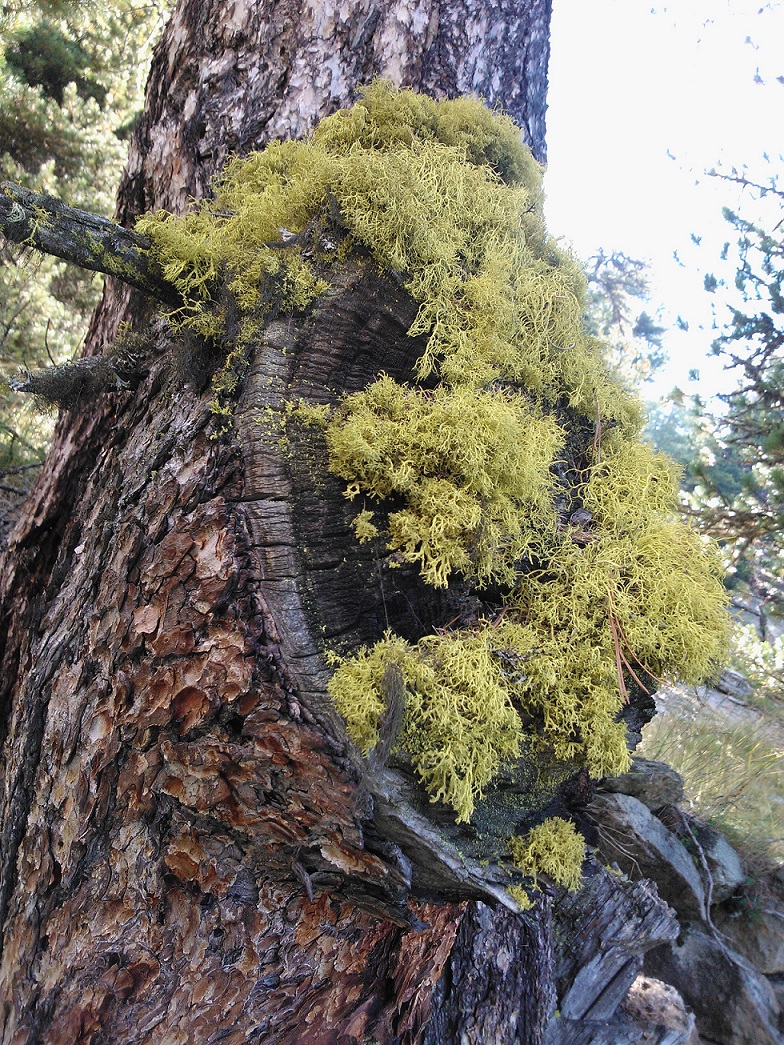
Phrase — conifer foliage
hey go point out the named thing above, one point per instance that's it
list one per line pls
(71, 81)
(752, 343)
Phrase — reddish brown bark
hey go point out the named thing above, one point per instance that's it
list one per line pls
(190, 849)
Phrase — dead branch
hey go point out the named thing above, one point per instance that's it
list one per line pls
(82, 238)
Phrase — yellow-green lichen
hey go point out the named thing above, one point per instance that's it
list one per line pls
(459, 471)
(520, 897)
(443, 193)
(634, 593)
(555, 848)
(639, 594)
(460, 725)
(471, 466)
(226, 383)
(308, 414)
(364, 527)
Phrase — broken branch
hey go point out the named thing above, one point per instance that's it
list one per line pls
(82, 238)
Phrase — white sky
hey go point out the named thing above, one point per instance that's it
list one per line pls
(634, 80)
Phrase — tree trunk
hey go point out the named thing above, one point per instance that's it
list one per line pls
(190, 849)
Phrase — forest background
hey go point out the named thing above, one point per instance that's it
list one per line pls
(71, 85)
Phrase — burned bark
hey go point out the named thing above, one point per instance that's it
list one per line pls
(191, 849)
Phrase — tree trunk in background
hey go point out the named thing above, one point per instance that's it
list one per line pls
(189, 851)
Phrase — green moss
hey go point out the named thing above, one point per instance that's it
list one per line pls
(555, 848)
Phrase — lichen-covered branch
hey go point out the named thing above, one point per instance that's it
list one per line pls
(82, 379)
(85, 239)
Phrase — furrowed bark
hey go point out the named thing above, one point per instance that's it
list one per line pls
(189, 849)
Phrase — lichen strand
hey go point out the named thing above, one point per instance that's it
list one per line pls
(554, 848)
(460, 477)
(471, 466)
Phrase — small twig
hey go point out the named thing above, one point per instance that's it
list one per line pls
(380, 573)
(16, 468)
(620, 641)
(445, 627)
(74, 382)
(561, 348)
(634, 656)
(630, 669)
(597, 436)
(46, 343)
(613, 838)
(618, 658)
(715, 933)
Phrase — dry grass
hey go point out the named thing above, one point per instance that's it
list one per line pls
(731, 760)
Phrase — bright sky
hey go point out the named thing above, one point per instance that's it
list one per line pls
(645, 97)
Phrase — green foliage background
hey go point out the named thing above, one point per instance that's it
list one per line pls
(71, 83)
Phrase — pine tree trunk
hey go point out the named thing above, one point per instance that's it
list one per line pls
(190, 851)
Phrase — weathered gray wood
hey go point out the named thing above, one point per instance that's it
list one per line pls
(613, 1032)
(601, 934)
(88, 240)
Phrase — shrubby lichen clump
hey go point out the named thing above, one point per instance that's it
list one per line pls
(472, 466)
(461, 471)
(554, 848)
